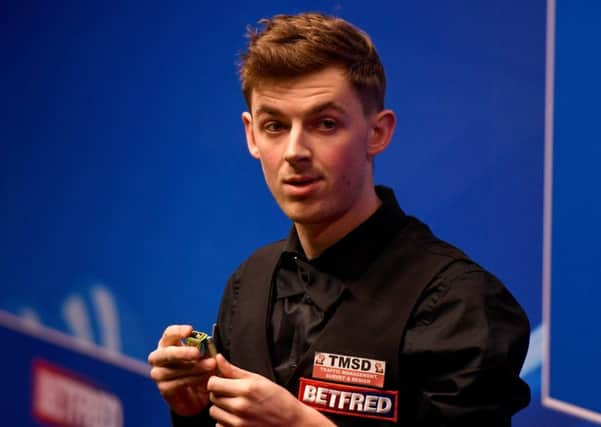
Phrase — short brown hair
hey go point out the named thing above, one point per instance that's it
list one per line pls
(290, 46)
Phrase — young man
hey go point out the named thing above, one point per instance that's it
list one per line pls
(361, 316)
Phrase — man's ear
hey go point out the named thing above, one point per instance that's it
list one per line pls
(382, 129)
(250, 137)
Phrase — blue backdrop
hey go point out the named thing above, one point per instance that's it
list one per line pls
(128, 196)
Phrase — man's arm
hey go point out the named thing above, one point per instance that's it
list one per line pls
(465, 347)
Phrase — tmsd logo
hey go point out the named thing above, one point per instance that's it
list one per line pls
(63, 399)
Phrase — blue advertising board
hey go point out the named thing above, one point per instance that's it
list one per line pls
(127, 195)
(55, 379)
(572, 210)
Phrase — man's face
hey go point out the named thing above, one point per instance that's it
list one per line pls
(313, 140)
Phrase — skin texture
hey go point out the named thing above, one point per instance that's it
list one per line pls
(316, 146)
(179, 372)
(242, 398)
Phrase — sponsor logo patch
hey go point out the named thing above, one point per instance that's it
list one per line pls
(349, 369)
(63, 398)
(349, 400)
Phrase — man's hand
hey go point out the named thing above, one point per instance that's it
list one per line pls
(179, 372)
(243, 399)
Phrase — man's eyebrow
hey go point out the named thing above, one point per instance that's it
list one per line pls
(267, 110)
(330, 105)
(316, 109)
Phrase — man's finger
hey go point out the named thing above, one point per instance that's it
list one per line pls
(165, 373)
(173, 356)
(170, 388)
(229, 382)
(224, 417)
(174, 334)
(228, 370)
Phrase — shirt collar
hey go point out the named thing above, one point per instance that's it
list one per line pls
(350, 257)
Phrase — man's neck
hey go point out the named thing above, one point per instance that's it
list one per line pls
(316, 238)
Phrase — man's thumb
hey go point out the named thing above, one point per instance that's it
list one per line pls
(228, 370)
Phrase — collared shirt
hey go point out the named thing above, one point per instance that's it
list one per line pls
(463, 345)
(306, 292)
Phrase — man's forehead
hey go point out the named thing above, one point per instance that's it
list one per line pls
(329, 89)
(265, 108)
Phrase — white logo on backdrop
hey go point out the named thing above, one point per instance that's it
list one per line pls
(77, 317)
(77, 310)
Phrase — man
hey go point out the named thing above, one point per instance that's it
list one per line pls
(361, 316)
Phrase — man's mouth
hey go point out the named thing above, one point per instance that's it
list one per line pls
(301, 185)
(300, 181)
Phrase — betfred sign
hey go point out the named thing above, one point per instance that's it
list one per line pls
(349, 400)
(62, 398)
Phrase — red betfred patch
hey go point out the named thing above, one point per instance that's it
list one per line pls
(349, 400)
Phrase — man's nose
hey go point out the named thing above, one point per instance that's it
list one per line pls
(298, 148)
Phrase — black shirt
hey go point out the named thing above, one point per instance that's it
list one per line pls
(464, 343)
(306, 292)
(441, 333)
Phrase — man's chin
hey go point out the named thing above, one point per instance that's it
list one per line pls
(303, 216)
(307, 216)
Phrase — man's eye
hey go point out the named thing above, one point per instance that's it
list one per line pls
(327, 124)
(273, 127)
